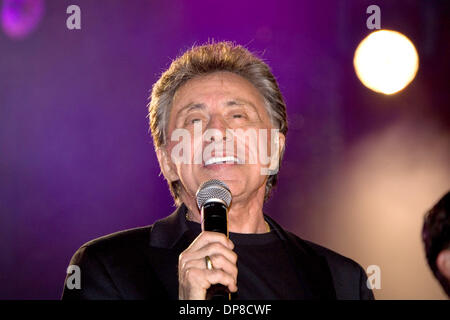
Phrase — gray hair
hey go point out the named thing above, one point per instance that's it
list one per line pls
(204, 60)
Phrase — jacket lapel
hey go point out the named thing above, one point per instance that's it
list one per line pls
(168, 238)
(312, 269)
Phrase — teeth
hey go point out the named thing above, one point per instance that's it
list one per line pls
(218, 160)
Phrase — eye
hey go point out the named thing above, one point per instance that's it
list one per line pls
(238, 116)
(191, 120)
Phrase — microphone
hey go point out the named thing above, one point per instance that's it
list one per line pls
(213, 199)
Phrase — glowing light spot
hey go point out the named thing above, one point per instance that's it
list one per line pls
(386, 61)
(21, 17)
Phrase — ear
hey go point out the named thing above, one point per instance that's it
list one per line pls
(443, 263)
(281, 142)
(275, 159)
(166, 165)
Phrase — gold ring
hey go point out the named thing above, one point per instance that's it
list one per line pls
(208, 262)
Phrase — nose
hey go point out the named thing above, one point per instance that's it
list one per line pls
(219, 125)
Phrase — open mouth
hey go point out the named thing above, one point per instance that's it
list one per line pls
(222, 160)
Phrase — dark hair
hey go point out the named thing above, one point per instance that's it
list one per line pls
(436, 236)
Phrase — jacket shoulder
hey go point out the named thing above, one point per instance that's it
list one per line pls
(112, 250)
(349, 277)
(124, 238)
(104, 261)
(334, 259)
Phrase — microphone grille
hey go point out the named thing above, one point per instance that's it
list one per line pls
(213, 189)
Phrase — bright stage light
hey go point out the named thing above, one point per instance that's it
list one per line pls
(386, 61)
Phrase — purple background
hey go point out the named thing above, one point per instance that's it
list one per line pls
(76, 157)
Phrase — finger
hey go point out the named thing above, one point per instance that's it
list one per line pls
(207, 237)
(218, 261)
(213, 249)
(216, 276)
(210, 250)
(196, 279)
(194, 283)
(230, 267)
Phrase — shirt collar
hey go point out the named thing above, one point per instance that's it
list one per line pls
(167, 232)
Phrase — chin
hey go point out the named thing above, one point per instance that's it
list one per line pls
(239, 181)
(236, 185)
(227, 172)
(239, 189)
(235, 182)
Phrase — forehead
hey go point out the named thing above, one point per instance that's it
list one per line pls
(208, 88)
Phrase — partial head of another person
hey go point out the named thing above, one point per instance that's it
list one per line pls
(436, 239)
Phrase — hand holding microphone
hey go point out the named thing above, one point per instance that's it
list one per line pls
(207, 268)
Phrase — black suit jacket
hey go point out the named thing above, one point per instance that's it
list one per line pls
(142, 263)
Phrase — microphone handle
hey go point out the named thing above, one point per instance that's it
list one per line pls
(214, 218)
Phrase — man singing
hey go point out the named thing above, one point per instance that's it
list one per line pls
(216, 113)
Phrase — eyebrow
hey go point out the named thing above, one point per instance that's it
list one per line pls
(189, 107)
(232, 102)
(238, 101)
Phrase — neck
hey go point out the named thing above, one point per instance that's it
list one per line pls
(244, 215)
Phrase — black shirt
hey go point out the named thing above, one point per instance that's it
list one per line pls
(264, 269)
